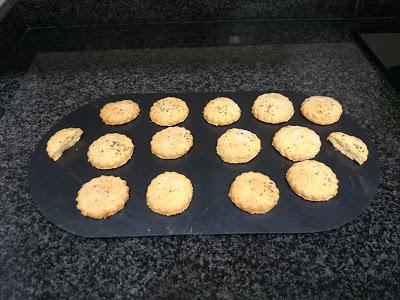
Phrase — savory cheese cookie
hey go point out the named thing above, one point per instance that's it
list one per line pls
(321, 110)
(272, 108)
(110, 151)
(296, 142)
(62, 140)
(221, 111)
(102, 197)
(119, 112)
(254, 193)
(350, 146)
(171, 143)
(237, 146)
(312, 180)
(169, 111)
(170, 193)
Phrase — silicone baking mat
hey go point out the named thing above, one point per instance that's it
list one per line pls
(54, 185)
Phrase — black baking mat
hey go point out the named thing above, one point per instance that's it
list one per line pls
(54, 185)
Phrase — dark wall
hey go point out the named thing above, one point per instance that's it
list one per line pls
(59, 13)
(43, 13)
(12, 28)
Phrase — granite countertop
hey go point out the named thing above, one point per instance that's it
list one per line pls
(38, 260)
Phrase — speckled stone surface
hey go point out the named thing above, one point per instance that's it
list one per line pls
(358, 260)
(44, 13)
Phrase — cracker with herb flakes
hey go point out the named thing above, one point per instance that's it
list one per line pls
(171, 142)
(110, 151)
(119, 112)
(221, 111)
(169, 111)
(170, 193)
(254, 193)
(312, 180)
(237, 146)
(62, 140)
(297, 142)
(350, 146)
(321, 110)
(272, 108)
(102, 197)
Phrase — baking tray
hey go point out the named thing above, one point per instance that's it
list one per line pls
(54, 185)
